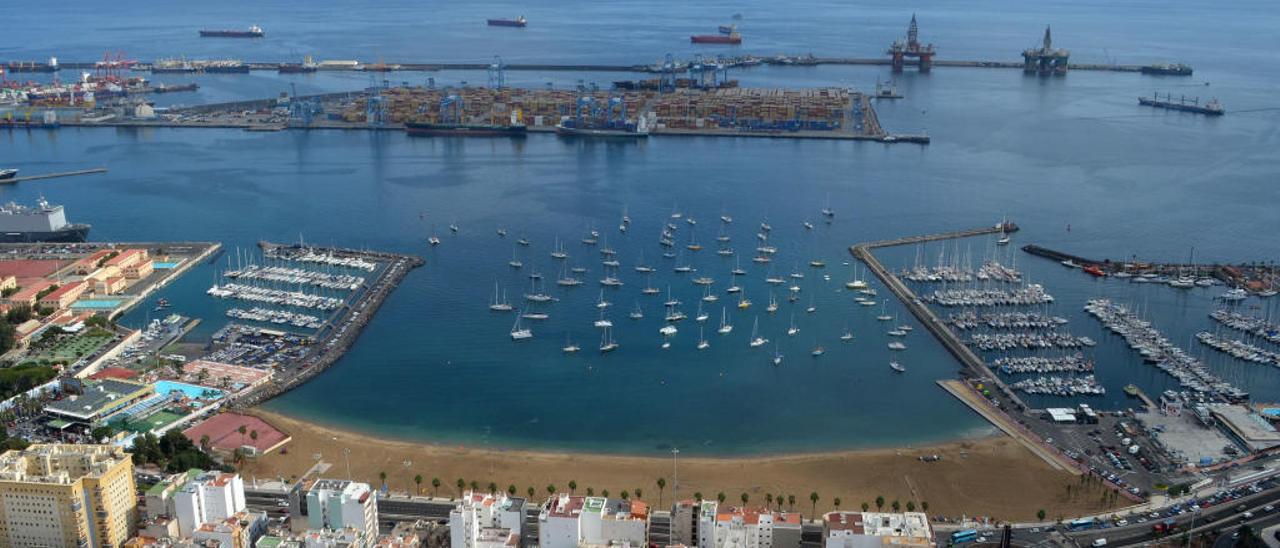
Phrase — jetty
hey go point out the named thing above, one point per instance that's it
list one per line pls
(1258, 277)
(53, 175)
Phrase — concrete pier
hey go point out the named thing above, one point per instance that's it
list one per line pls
(53, 175)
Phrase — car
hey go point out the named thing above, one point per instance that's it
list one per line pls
(1154, 515)
(1100, 542)
(1268, 508)
(981, 540)
(1122, 523)
(1246, 515)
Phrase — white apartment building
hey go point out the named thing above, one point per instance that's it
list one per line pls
(481, 517)
(210, 497)
(876, 529)
(746, 527)
(570, 522)
(339, 504)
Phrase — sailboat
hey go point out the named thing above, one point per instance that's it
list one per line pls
(626, 219)
(682, 266)
(638, 313)
(603, 321)
(722, 237)
(693, 244)
(895, 345)
(773, 304)
(701, 316)
(559, 252)
(1004, 234)
(514, 262)
(854, 281)
(642, 267)
(519, 333)
(499, 305)
(811, 309)
(847, 335)
(743, 301)
(725, 326)
(777, 356)
(707, 296)
(602, 303)
(737, 269)
(826, 209)
(818, 351)
(668, 330)
(756, 339)
(702, 341)
(897, 367)
(883, 316)
(569, 347)
(793, 330)
(607, 344)
(648, 287)
(567, 280)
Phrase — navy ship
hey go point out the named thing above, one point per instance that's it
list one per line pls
(44, 223)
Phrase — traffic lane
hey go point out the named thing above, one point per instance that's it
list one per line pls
(1203, 523)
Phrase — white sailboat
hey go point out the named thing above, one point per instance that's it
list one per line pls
(514, 262)
(793, 330)
(603, 321)
(519, 333)
(707, 296)
(777, 356)
(701, 316)
(756, 339)
(855, 282)
(569, 347)
(499, 305)
(559, 252)
(638, 313)
(702, 341)
(773, 304)
(607, 344)
(603, 303)
(897, 367)
(811, 308)
(725, 326)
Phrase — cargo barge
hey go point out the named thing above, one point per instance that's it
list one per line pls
(731, 38)
(519, 22)
(1209, 108)
(254, 31)
(427, 129)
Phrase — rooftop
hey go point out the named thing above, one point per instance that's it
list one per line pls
(97, 397)
(59, 464)
(224, 434)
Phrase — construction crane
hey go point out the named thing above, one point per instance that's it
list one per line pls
(375, 107)
(667, 83)
(452, 109)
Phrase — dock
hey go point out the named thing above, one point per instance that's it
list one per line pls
(53, 175)
(1257, 277)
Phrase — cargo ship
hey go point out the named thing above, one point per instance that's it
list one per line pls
(307, 65)
(731, 38)
(520, 22)
(1210, 107)
(572, 128)
(254, 32)
(429, 129)
(44, 223)
(165, 88)
(32, 66)
(6, 174)
(1168, 69)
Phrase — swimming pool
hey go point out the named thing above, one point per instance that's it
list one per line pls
(96, 304)
(164, 388)
(165, 265)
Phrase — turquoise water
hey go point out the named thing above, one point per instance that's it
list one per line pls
(163, 265)
(436, 365)
(165, 388)
(96, 304)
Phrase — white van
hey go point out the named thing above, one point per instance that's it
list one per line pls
(1100, 542)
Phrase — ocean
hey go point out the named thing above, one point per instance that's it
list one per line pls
(1073, 160)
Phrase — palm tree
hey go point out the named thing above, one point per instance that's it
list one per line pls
(896, 505)
(662, 484)
(253, 435)
(604, 493)
(813, 498)
(639, 494)
(768, 499)
(511, 490)
(435, 485)
(382, 478)
(924, 506)
(242, 430)
(462, 484)
(911, 506)
(417, 482)
(493, 488)
(531, 491)
(791, 502)
(697, 495)
(745, 498)
(625, 495)
(591, 491)
(238, 458)
(778, 497)
(865, 507)
(204, 443)
(879, 502)
(573, 486)
(475, 485)
(551, 489)
(836, 502)
(720, 497)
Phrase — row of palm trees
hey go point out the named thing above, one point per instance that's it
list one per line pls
(551, 489)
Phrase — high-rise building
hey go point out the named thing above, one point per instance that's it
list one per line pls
(210, 497)
(339, 504)
(67, 495)
(875, 529)
(746, 527)
(481, 518)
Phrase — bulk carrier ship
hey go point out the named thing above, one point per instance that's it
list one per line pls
(431, 129)
(44, 223)
(254, 32)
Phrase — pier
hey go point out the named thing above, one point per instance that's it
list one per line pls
(339, 333)
(53, 175)
(1258, 277)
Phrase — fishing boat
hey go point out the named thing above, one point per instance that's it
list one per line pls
(702, 341)
(897, 367)
(756, 339)
(793, 330)
(519, 333)
(725, 326)
(607, 344)
(499, 305)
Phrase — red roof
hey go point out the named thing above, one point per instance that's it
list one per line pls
(30, 268)
(224, 432)
(113, 373)
(63, 290)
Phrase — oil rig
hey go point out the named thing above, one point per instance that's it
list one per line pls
(1045, 60)
(900, 50)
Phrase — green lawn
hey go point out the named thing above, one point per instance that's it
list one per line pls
(73, 347)
(158, 420)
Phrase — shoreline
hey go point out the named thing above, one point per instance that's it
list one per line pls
(990, 475)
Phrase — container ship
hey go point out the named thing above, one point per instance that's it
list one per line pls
(430, 129)
(1168, 69)
(572, 128)
(1210, 107)
(520, 22)
(44, 223)
(254, 31)
(731, 38)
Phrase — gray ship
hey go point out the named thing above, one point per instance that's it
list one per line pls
(44, 223)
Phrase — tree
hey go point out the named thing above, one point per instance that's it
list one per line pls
(462, 484)
(204, 443)
(435, 486)
(591, 491)
(573, 486)
(720, 497)
(382, 478)
(745, 497)
(911, 506)
(836, 502)
(474, 485)
(866, 506)
(625, 495)
(1040, 515)
(879, 502)
(242, 430)
(768, 499)
(237, 457)
(662, 484)
(417, 482)
(493, 488)
(253, 435)
(639, 493)
(531, 491)
(924, 506)
(604, 493)
(697, 495)
(511, 490)
(551, 489)
(897, 506)
(779, 497)
(813, 498)
(791, 502)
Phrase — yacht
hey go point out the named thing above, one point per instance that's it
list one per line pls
(502, 232)
(808, 225)
(603, 321)
(433, 240)
(668, 330)
(559, 252)
(816, 263)
(756, 339)
(897, 367)
(818, 351)
(535, 316)
(895, 345)
(811, 309)
(725, 252)
(793, 330)
(725, 326)
(499, 305)
(518, 333)
(733, 289)
(523, 241)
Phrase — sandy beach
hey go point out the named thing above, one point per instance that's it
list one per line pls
(991, 476)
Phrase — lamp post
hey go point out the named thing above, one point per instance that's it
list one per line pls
(675, 474)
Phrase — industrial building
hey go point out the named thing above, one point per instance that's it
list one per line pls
(67, 495)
